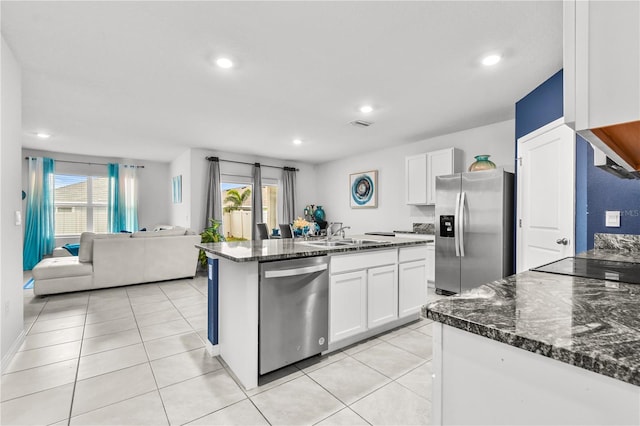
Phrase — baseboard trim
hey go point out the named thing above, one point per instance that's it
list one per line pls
(8, 357)
(343, 343)
(212, 350)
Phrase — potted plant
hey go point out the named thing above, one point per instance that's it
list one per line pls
(210, 235)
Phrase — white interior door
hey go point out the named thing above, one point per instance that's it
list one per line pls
(546, 182)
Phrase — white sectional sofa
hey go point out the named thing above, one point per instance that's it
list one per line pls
(111, 260)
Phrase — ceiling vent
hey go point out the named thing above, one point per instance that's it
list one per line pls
(361, 123)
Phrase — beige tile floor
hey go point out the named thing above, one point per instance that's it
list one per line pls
(135, 355)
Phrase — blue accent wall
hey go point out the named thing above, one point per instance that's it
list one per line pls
(542, 106)
(608, 192)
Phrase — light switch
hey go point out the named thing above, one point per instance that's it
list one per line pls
(612, 219)
(18, 215)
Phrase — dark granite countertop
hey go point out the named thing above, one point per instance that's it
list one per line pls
(589, 323)
(287, 248)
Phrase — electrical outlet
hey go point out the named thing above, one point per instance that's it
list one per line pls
(612, 219)
(18, 217)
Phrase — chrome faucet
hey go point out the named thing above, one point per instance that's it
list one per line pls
(341, 229)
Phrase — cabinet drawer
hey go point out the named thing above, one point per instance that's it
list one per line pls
(352, 262)
(409, 254)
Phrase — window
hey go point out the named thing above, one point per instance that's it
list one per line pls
(237, 206)
(81, 204)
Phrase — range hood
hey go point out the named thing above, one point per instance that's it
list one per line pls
(605, 163)
(620, 148)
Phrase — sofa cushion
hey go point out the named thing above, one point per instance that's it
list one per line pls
(162, 233)
(61, 267)
(85, 253)
(114, 236)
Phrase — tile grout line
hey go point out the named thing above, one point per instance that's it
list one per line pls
(153, 374)
(75, 381)
(364, 396)
(346, 406)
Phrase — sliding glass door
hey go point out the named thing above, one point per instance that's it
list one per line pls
(237, 208)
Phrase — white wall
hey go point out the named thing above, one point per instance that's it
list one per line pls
(11, 298)
(392, 212)
(154, 182)
(195, 174)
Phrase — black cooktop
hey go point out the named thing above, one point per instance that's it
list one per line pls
(609, 270)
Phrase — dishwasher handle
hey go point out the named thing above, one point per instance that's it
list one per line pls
(295, 271)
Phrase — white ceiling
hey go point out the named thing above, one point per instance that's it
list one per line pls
(136, 80)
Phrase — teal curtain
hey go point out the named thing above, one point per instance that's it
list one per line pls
(39, 234)
(113, 214)
(122, 203)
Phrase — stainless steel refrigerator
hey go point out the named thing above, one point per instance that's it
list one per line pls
(474, 229)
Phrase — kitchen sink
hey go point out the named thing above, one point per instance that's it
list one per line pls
(346, 242)
(325, 243)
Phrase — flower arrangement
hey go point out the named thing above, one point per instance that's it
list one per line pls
(300, 223)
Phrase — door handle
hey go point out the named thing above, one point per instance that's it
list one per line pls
(463, 198)
(456, 221)
(296, 271)
(562, 241)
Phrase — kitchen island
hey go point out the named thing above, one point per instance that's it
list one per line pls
(539, 348)
(375, 284)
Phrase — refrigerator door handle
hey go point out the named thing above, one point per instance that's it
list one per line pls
(456, 220)
(460, 232)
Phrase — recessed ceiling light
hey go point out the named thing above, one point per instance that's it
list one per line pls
(43, 135)
(491, 60)
(297, 142)
(224, 63)
(366, 109)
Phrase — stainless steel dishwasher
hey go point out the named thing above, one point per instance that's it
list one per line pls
(294, 311)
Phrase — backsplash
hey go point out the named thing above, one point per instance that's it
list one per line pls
(621, 242)
(424, 228)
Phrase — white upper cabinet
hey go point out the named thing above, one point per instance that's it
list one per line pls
(422, 169)
(602, 62)
(416, 179)
(440, 163)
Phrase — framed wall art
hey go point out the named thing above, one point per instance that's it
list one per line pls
(363, 189)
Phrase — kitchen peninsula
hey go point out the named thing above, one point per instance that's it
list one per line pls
(541, 348)
(374, 284)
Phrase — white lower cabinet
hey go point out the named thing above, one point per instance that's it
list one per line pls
(413, 287)
(348, 304)
(382, 295)
(374, 290)
(431, 263)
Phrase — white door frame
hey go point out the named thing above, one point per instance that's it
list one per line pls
(519, 197)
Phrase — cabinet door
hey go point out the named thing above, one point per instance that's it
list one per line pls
(382, 295)
(438, 163)
(416, 179)
(431, 263)
(348, 304)
(607, 63)
(412, 287)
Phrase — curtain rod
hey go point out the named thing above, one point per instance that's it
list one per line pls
(90, 164)
(251, 164)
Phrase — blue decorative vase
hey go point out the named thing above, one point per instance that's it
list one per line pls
(482, 163)
(318, 214)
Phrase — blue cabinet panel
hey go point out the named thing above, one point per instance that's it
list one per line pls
(582, 170)
(212, 301)
(542, 106)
